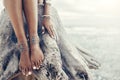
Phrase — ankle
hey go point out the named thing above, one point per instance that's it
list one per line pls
(33, 34)
(23, 46)
(34, 39)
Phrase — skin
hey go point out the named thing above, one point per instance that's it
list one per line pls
(14, 9)
(30, 10)
(31, 56)
(47, 23)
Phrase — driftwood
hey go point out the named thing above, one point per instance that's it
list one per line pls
(63, 60)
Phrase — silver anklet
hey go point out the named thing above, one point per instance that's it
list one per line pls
(21, 47)
(34, 40)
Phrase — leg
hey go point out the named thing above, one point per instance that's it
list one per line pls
(14, 9)
(31, 13)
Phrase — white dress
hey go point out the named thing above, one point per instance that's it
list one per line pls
(44, 1)
(63, 45)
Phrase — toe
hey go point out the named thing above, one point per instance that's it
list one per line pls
(29, 72)
(26, 71)
(30, 69)
(23, 71)
(40, 62)
(38, 65)
(42, 58)
(33, 65)
(20, 68)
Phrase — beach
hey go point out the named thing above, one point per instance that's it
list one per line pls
(99, 33)
(104, 45)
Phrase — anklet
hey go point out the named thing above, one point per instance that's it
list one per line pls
(22, 47)
(34, 40)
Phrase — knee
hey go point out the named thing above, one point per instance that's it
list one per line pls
(4, 3)
(8, 2)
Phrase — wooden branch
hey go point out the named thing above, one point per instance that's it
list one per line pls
(63, 61)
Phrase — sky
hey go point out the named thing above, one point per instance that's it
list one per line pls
(93, 12)
(89, 12)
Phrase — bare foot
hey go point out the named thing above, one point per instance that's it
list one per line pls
(25, 63)
(36, 52)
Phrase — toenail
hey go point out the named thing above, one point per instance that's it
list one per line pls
(26, 75)
(41, 64)
(29, 73)
(23, 73)
(37, 67)
(34, 67)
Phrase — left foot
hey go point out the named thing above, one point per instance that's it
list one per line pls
(36, 52)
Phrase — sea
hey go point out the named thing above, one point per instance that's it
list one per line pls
(103, 41)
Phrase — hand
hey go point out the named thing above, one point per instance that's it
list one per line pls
(47, 23)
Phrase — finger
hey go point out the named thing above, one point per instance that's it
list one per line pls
(52, 30)
(49, 31)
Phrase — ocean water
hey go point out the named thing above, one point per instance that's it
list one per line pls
(104, 44)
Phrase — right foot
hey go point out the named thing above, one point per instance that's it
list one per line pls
(25, 63)
(36, 52)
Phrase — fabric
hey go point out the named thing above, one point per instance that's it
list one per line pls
(41, 2)
(47, 1)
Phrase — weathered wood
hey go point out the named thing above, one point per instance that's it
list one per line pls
(63, 61)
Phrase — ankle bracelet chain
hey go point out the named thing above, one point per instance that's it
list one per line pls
(22, 47)
(34, 40)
